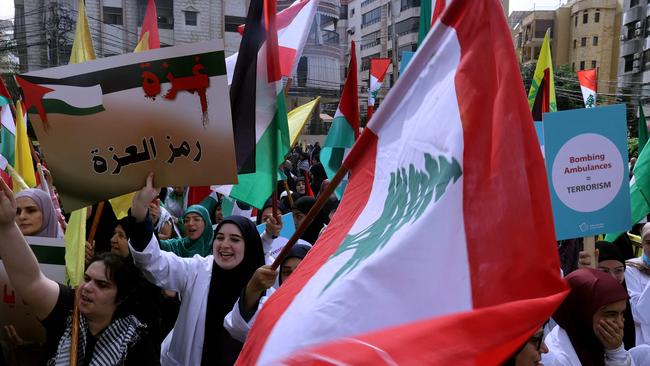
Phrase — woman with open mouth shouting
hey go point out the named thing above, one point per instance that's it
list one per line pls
(109, 334)
(209, 286)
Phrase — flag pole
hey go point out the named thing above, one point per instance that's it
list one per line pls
(75, 311)
(320, 202)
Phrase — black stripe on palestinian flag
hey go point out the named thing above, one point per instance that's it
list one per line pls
(131, 76)
(243, 88)
(46, 254)
(542, 98)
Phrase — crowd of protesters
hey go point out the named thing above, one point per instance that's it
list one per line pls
(174, 284)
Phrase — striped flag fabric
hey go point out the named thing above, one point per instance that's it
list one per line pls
(378, 68)
(7, 130)
(345, 126)
(298, 117)
(430, 10)
(258, 82)
(82, 46)
(588, 80)
(642, 130)
(541, 96)
(149, 36)
(293, 25)
(24, 165)
(413, 268)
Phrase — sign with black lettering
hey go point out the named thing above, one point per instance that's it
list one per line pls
(587, 168)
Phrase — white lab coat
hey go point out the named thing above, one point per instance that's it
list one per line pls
(637, 287)
(561, 352)
(235, 323)
(190, 277)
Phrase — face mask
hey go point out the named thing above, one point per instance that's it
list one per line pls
(646, 260)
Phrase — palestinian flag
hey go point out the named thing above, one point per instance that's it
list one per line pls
(589, 85)
(149, 37)
(419, 213)
(258, 82)
(430, 10)
(293, 25)
(7, 131)
(541, 96)
(345, 125)
(378, 68)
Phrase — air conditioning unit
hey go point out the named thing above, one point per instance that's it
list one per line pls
(637, 32)
(636, 69)
(636, 56)
(637, 25)
(636, 64)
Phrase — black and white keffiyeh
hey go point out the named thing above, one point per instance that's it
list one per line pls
(111, 347)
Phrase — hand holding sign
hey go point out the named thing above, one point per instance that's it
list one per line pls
(7, 205)
(142, 198)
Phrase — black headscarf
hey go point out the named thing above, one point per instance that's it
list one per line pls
(104, 233)
(609, 251)
(304, 204)
(297, 251)
(225, 288)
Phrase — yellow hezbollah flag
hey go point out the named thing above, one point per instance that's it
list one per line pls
(541, 96)
(82, 47)
(298, 117)
(24, 165)
(75, 247)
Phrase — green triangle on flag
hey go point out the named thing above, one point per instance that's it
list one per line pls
(643, 130)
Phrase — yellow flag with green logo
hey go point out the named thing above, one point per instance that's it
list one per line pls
(541, 96)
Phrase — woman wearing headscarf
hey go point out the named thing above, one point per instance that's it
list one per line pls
(612, 262)
(531, 352)
(300, 210)
(590, 323)
(35, 214)
(198, 234)
(209, 286)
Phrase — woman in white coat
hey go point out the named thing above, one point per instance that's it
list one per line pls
(590, 323)
(208, 286)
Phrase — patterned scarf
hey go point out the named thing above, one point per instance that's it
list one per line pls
(111, 347)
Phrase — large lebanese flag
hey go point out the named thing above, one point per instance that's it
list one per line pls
(293, 28)
(442, 251)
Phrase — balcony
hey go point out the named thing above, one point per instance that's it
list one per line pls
(635, 14)
(631, 46)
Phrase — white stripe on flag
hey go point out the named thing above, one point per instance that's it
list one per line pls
(76, 96)
(8, 119)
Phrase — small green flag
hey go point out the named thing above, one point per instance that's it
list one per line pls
(643, 130)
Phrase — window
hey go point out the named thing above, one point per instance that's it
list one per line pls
(191, 17)
(366, 2)
(628, 63)
(595, 41)
(634, 3)
(407, 4)
(583, 42)
(302, 71)
(593, 64)
(365, 61)
(646, 59)
(573, 66)
(585, 17)
(370, 40)
(582, 65)
(112, 15)
(541, 26)
(575, 43)
(164, 10)
(575, 21)
(344, 12)
(630, 30)
(407, 26)
(371, 17)
(597, 18)
(231, 23)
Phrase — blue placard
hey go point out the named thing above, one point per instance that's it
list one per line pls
(586, 165)
(539, 128)
(288, 227)
(406, 59)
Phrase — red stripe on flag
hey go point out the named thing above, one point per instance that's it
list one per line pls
(284, 18)
(150, 24)
(349, 104)
(272, 53)
(456, 339)
(7, 178)
(196, 194)
(287, 55)
(437, 10)
(501, 160)
(355, 199)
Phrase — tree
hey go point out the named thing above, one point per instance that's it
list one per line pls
(567, 88)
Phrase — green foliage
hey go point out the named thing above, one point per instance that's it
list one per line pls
(409, 194)
(632, 147)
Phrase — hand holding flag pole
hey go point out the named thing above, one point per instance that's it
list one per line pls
(320, 202)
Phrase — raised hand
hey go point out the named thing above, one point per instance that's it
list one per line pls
(7, 205)
(262, 279)
(610, 333)
(142, 198)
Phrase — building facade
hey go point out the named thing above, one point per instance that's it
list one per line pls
(44, 29)
(584, 35)
(634, 61)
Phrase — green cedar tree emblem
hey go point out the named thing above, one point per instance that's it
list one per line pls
(409, 194)
(590, 101)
